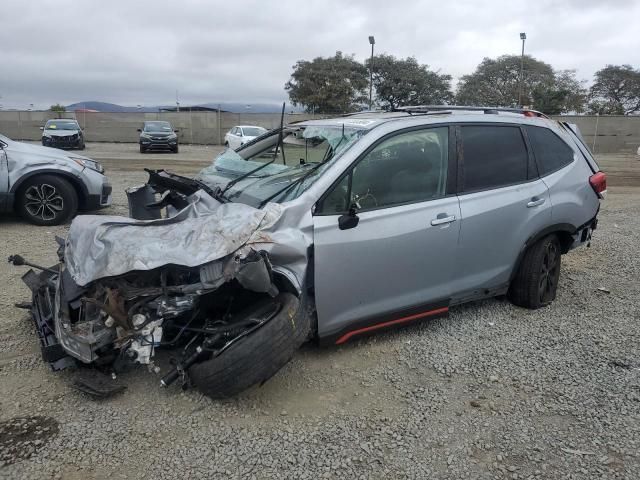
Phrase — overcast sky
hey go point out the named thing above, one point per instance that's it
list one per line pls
(140, 51)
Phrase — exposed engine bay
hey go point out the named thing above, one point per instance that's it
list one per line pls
(194, 281)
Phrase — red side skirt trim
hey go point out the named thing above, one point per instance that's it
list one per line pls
(344, 338)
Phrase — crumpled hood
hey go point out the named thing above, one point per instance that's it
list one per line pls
(59, 133)
(101, 246)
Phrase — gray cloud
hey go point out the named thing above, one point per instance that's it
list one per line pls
(143, 51)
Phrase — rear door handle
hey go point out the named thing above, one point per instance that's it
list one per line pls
(441, 220)
(535, 202)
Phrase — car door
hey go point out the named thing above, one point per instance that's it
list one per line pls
(231, 138)
(385, 236)
(237, 133)
(503, 203)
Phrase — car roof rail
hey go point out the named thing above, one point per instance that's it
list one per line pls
(487, 110)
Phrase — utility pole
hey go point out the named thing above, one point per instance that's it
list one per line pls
(523, 37)
(372, 41)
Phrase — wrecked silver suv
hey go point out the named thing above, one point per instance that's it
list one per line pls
(325, 229)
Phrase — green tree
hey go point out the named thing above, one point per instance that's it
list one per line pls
(400, 82)
(57, 108)
(565, 94)
(329, 85)
(496, 82)
(616, 91)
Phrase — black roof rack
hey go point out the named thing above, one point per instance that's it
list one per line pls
(487, 110)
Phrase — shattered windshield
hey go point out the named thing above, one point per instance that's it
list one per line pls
(61, 125)
(279, 171)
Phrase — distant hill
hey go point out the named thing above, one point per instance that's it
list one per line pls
(106, 107)
(233, 107)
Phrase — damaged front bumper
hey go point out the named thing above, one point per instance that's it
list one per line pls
(121, 320)
(125, 288)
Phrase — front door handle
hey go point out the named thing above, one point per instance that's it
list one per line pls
(535, 202)
(441, 220)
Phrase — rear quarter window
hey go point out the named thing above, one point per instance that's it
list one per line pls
(493, 156)
(551, 152)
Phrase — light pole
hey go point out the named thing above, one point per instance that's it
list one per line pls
(523, 37)
(372, 41)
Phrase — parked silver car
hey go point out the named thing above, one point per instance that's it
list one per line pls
(48, 186)
(327, 230)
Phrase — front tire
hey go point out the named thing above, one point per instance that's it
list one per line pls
(536, 282)
(255, 358)
(175, 150)
(142, 149)
(47, 200)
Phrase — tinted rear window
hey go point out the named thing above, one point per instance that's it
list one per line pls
(551, 152)
(494, 156)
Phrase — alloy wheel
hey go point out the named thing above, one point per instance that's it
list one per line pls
(549, 273)
(43, 201)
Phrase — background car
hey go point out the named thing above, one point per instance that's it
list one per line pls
(46, 186)
(62, 133)
(158, 135)
(238, 136)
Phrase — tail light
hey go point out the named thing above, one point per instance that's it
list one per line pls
(598, 182)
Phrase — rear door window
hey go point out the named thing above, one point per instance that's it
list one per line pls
(493, 156)
(551, 152)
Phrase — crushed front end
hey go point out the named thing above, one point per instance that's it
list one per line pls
(193, 283)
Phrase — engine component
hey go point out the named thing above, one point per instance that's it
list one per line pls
(141, 349)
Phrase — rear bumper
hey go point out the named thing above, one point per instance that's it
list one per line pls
(584, 232)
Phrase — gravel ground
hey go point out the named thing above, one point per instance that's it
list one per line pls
(493, 391)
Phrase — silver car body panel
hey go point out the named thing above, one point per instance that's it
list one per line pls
(392, 260)
(494, 227)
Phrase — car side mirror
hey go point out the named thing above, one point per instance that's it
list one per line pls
(140, 130)
(176, 131)
(41, 128)
(349, 220)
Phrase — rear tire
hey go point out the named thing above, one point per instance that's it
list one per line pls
(536, 282)
(255, 358)
(47, 200)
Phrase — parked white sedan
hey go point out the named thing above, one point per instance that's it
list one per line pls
(238, 136)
